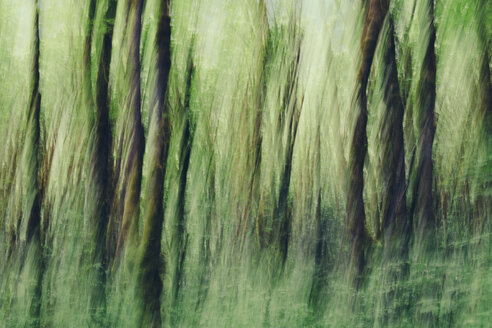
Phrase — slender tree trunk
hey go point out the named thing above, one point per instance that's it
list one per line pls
(255, 141)
(356, 217)
(132, 178)
(33, 142)
(149, 285)
(282, 213)
(273, 228)
(98, 190)
(205, 253)
(321, 258)
(422, 207)
(395, 223)
(394, 218)
(180, 243)
(32, 153)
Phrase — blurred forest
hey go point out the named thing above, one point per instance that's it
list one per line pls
(261, 163)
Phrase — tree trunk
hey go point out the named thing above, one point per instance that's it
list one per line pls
(249, 211)
(98, 190)
(282, 214)
(149, 284)
(132, 178)
(394, 219)
(180, 243)
(395, 223)
(356, 217)
(33, 153)
(422, 207)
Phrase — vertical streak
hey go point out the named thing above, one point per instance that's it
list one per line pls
(184, 162)
(422, 208)
(149, 282)
(485, 114)
(395, 225)
(134, 159)
(255, 143)
(356, 217)
(32, 150)
(98, 190)
(33, 139)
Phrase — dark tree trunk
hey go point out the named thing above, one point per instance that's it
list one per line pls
(422, 207)
(132, 178)
(321, 257)
(356, 217)
(395, 223)
(180, 243)
(282, 214)
(250, 211)
(32, 149)
(273, 228)
(33, 141)
(149, 281)
(394, 219)
(98, 191)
